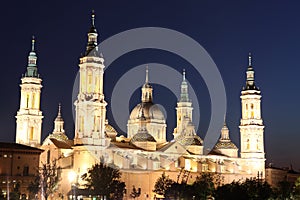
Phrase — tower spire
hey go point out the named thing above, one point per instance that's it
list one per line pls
(93, 18)
(92, 36)
(32, 61)
(147, 75)
(184, 96)
(59, 110)
(250, 84)
(147, 89)
(32, 43)
(249, 59)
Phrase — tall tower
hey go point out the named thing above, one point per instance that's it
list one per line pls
(29, 117)
(251, 125)
(184, 108)
(185, 132)
(90, 103)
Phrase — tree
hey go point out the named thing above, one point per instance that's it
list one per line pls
(297, 188)
(204, 186)
(284, 190)
(162, 184)
(15, 193)
(104, 180)
(34, 188)
(47, 180)
(250, 189)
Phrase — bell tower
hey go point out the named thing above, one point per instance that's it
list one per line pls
(251, 124)
(90, 104)
(184, 109)
(29, 117)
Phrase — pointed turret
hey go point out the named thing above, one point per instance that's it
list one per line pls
(92, 36)
(147, 89)
(224, 133)
(59, 122)
(250, 83)
(32, 61)
(224, 145)
(184, 95)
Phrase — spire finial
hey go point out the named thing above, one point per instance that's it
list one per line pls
(32, 43)
(249, 59)
(93, 17)
(147, 74)
(183, 74)
(59, 109)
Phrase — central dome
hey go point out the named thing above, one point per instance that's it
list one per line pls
(150, 110)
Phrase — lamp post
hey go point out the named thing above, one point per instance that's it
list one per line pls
(72, 177)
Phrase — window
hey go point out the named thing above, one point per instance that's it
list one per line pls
(97, 86)
(33, 100)
(248, 144)
(90, 76)
(48, 156)
(26, 170)
(27, 100)
(204, 167)
(81, 123)
(31, 131)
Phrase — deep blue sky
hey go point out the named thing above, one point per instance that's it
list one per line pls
(228, 30)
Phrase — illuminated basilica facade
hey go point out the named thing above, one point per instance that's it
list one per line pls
(145, 153)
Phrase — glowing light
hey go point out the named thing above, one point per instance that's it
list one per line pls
(71, 176)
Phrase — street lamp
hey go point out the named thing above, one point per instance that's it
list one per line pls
(72, 177)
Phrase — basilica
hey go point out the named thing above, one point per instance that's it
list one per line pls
(144, 154)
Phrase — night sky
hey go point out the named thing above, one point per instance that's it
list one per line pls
(228, 30)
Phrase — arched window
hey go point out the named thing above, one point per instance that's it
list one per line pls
(31, 132)
(248, 144)
(33, 101)
(27, 101)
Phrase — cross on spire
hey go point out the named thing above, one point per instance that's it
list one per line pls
(32, 43)
(249, 59)
(93, 17)
(147, 74)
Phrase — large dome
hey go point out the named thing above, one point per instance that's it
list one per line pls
(151, 111)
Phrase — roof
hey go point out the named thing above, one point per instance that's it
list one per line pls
(6, 146)
(61, 144)
(225, 145)
(216, 153)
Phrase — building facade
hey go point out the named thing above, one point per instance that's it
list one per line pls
(18, 167)
(144, 154)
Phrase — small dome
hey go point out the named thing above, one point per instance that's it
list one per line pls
(189, 140)
(109, 128)
(59, 136)
(142, 136)
(151, 111)
(225, 145)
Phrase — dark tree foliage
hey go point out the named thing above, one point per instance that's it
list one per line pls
(15, 193)
(104, 180)
(47, 180)
(181, 191)
(296, 191)
(202, 188)
(162, 184)
(251, 189)
(284, 190)
(34, 187)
